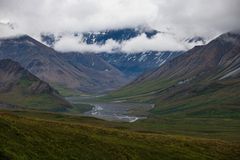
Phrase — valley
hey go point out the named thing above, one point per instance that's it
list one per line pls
(141, 105)
(113, 111)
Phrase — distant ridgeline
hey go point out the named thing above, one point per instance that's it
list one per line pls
(131, 64)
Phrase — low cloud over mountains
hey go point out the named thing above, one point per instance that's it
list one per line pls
(187, 18)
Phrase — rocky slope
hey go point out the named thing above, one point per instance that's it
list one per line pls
(218, 59)
(104, 75)
(46, 64)
(20, 88)
(134, 64)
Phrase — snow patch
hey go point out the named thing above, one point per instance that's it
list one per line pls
(142, 58)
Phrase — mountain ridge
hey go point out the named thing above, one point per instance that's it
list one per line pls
(47, 64)
(18, 87)
(203, 82)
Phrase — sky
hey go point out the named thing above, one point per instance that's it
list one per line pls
(178, 18)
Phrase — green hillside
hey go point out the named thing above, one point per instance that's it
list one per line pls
(44, 138)
(214, 99)
(203, 82)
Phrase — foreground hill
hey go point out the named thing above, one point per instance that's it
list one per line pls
(20, 89)
(46, 64)
(203, 82)
(37, 138)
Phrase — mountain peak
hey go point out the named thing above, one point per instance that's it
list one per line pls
(229, 37)
(17, 37)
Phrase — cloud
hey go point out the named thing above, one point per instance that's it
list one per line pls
(185, 18)
(34, 16)
(70, 43)
(160, 42)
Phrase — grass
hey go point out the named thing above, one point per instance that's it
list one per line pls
(137, 92)
(67, 92)
(208, 99)
(206, 109)
(19, 95)
(39, 101)
(226, 129)
(80, 108)
(219, 128)
(26, 137)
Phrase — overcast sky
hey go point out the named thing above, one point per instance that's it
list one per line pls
(183, 18)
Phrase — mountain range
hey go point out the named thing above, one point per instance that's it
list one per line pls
(203, 81)
(130, 64)
(61, 70)
(135, 64)
(100, 37)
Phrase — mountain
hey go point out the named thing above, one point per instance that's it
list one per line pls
(134, 64)
(100, 37)
(118, 35)
(48, 38)
(105, 76)
(19, 88)
(196, 39)
(205, 81)
(217, 59)
(46, 64)
(131, 64)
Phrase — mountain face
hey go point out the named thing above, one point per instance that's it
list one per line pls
(101, 37)
(217, 59)
(46, 64)
(132, 65)
(116, 35)
(205, 81)
(19, 88)
(105, 76)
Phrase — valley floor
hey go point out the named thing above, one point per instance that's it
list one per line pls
(38, 135)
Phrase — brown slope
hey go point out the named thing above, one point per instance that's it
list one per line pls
(218, 58)
(45, 63)
(105, 76)
(18, 87)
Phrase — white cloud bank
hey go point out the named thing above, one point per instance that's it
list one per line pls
(185, 18)
(160, 42)
(70, 43)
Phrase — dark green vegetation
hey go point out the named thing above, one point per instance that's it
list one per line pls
(219, 100)
(39, 102)
(32, 135)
